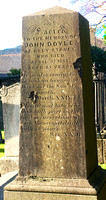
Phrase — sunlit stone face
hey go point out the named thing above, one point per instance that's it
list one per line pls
(52, 139)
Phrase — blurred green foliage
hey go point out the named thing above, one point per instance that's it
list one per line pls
(14, 72)
(99, 58)
(2, 153)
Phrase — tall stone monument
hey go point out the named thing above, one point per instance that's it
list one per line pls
(58, 155)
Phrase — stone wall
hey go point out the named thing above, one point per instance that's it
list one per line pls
(92, 37)
(100, 43)
(95, 41)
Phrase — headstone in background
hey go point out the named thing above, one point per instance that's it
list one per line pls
(58, 153)
(11, 108)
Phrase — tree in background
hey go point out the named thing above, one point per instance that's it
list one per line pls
(14, 71)
(99, 58)
(97, 7)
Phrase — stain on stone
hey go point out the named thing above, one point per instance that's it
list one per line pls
(77, 65)
(33, 96)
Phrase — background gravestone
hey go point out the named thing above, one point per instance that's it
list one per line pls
(57, 135)
(11, 108)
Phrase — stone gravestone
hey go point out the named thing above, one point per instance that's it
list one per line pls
(58, 153)
(11, 107)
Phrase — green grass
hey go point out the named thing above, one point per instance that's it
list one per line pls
(2, 146)
(103, 166)
(2, 134)
(2, 153)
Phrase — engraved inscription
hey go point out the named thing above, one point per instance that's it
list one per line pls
(50, 80)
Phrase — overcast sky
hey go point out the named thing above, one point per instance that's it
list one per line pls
(11, 12)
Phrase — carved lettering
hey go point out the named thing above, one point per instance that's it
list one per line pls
(51, 74)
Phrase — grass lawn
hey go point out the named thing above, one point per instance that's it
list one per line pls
(103, 166)
(2, 134)
(2, 146)
(2, 150)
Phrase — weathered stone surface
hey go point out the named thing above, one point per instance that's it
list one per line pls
(58, 189)
(11, 107)
(8, 164)
(43, 196)
(93, 186)
(92, 37)
(57, 127)
(101, 147)
(11, 118)
(58, 150)
(104, 149)
(100, 150)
